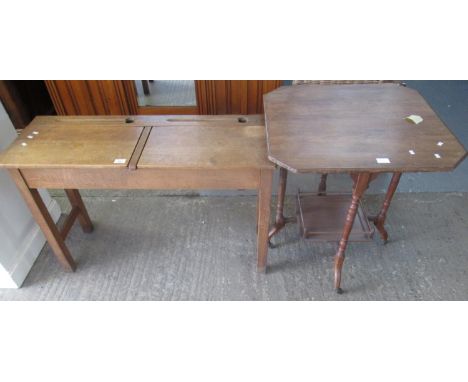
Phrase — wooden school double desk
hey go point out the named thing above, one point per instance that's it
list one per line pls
(157, 152)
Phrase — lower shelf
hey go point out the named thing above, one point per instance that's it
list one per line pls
(322, 218)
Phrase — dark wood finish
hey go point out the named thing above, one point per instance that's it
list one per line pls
(14, 105)
(344, 128)
(165, 110)
(35, 97)
(321, 218)
(90, 97)
(174, 153)
(280, 220)
(322, 190)
(44, 220)
(359, 189)
(116, 97)
(379, 220)
(233, 97)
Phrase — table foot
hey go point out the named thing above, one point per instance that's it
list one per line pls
(280, 220)
(339, 291)
(382, 231)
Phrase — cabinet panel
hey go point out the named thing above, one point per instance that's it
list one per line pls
(95, 97)
(89, 97)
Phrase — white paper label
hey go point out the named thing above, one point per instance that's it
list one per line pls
(382, 160)
(119, 161)
(412, 152)
(440, 143)
(438, 156)
(416, 119)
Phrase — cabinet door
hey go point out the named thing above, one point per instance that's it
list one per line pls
(233, 96)
(90, 97)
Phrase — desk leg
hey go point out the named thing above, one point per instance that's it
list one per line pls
(44, 220)
(361, 184)
(379, 220)
(263, 216)
(76, 202)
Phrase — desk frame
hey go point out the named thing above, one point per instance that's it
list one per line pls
(72, 179)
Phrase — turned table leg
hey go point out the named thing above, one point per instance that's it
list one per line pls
(361, 184)
(280, 220)
(44, 220)
(379, 220)
(263, 217)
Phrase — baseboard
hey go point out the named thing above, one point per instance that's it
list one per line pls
(28, 252)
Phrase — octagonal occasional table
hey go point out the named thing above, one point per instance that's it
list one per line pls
(362, 130)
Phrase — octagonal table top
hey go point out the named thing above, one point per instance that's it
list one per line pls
(356, 128)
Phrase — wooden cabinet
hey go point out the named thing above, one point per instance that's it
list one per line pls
(90, 97)
(118, 97)
(233, 97)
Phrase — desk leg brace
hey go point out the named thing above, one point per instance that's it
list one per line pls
(76, 202)
(54, 237)
(361, 184)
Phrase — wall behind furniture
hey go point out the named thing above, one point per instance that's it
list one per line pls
(20, 237)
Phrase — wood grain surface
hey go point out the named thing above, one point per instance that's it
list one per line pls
(344, 128)
(56, 143)
(206, 147)
(184, 142)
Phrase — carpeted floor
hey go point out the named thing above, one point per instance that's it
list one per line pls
(203, 248)
(167, 93)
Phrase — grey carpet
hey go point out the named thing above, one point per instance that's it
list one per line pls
(203, 248)
(167, 93)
